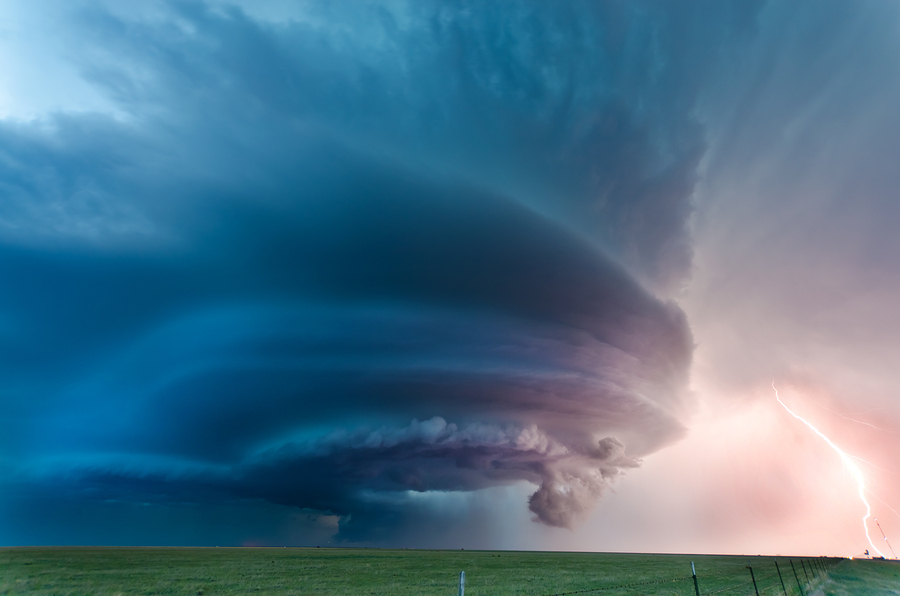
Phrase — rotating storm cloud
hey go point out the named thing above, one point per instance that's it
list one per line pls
(367, 272)
(248, 287)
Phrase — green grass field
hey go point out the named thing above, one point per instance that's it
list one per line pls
(283, 571)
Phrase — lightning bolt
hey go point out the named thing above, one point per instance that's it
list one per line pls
(848, 462)
(851, 419)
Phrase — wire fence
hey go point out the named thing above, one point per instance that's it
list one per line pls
(764, 578)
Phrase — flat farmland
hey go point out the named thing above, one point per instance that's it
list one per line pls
(108, 571)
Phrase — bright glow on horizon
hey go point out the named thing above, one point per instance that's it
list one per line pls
(847, 461)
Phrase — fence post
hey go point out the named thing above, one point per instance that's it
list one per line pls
(794, 569)
(462, 583)
(696, 585)
(781, 579)
(753, 578)
(804, 571)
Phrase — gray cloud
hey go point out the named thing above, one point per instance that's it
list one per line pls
(588, 353)
(278, 322)
(541, 103)
(294, 238)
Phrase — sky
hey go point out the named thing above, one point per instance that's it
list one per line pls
(452, 274)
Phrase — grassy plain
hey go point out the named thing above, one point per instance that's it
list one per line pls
(862, 578)
(82, 571)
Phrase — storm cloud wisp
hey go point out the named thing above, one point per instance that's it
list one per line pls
(331, 267)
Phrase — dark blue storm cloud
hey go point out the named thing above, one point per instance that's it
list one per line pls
(333, 262)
